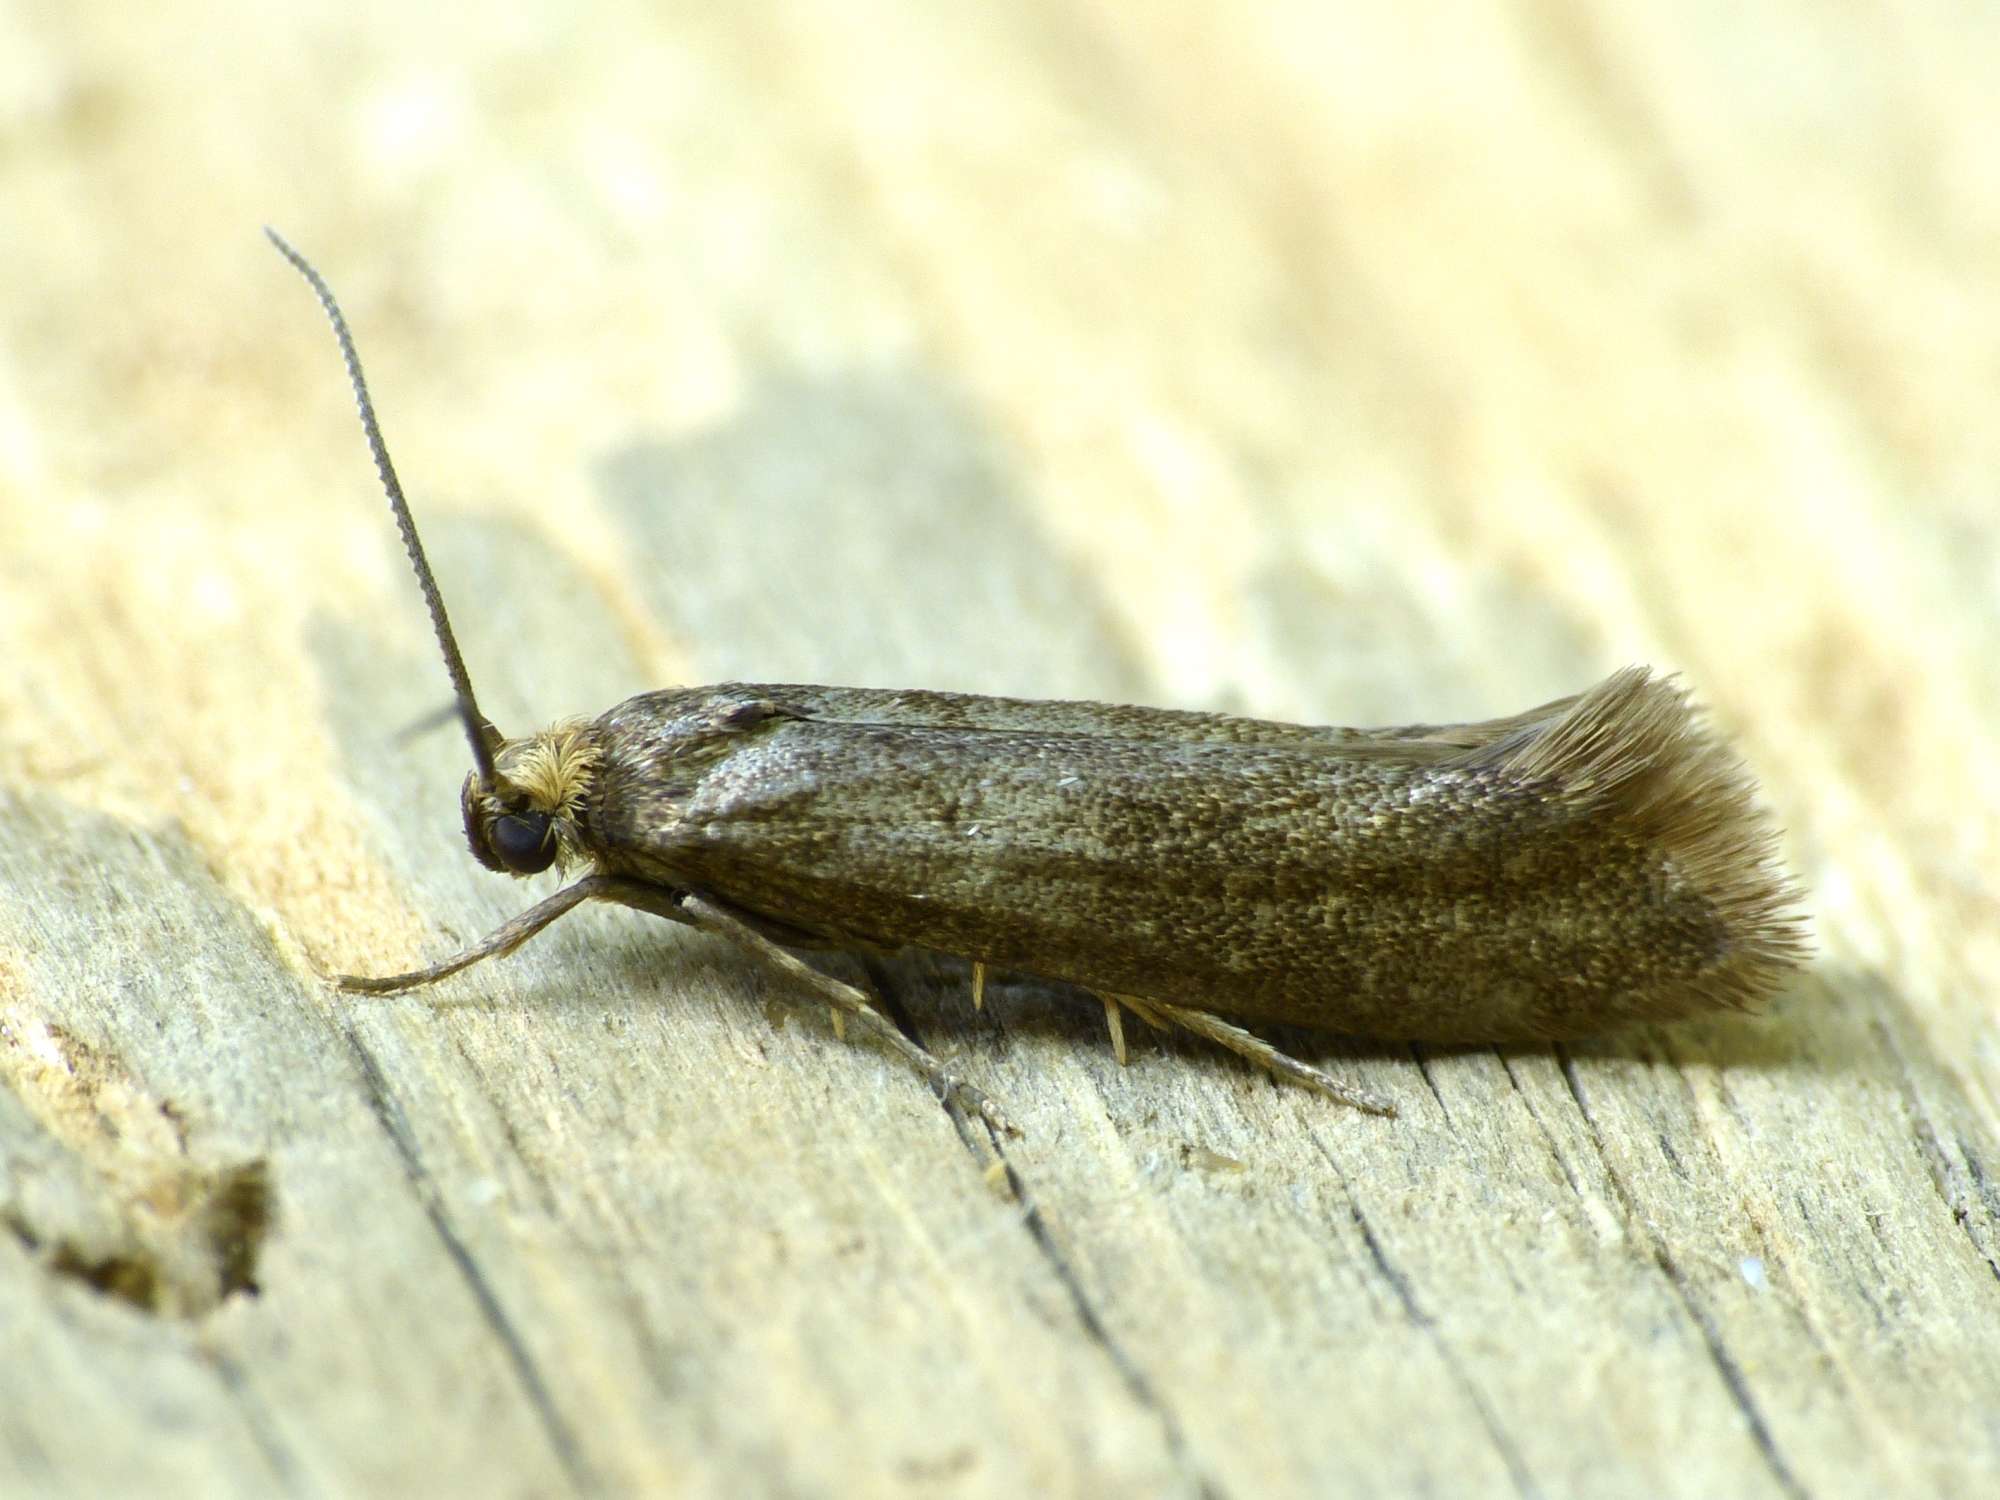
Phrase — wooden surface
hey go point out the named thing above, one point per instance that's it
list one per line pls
(1344, 364)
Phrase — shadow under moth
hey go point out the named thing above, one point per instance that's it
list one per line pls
(1597, 861)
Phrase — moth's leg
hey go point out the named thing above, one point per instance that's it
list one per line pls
(978, 985)
(885, 990)
(1261, 1052)
(943, 1077)
(1144, 1010)
(1114, 1018)
(665, 901)
(495, 945)
(662, 901)
(658, 900)
(1114, 1007)
(864, 979)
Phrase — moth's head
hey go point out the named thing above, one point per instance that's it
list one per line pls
(525, 818)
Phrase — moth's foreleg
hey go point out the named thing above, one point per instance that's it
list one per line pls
(943, 1077)
(496, 944)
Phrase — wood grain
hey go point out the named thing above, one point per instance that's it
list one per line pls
(1350, 365)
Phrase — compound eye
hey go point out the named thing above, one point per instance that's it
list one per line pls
(524, 842)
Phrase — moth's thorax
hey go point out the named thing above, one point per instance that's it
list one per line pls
(528, 818)
(656, 751)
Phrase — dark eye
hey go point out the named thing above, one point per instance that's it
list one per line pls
(524, 842)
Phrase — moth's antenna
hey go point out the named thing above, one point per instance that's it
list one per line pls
(479, 730)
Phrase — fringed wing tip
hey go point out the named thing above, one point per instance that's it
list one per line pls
(1636, 749)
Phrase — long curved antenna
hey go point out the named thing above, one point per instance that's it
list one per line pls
(479, 730)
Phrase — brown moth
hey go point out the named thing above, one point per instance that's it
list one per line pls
(1594, 862)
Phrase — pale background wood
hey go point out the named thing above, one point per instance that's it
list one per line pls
(1338, 363)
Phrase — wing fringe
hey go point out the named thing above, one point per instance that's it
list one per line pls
(1634, 749)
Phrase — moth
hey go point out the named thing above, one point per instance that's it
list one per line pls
(1594, 862)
